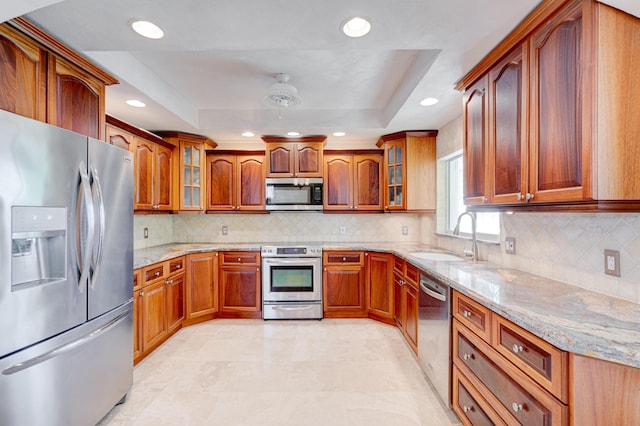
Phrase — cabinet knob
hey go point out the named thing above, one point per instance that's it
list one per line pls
(325, 269)
(467, 357)
(517, 348)
(344, 259)
(467, 408)
(529, 196)
(355, 207)
(178, 266)
(239, 260)
(386, 207)
(485, 200)
(466, 314)
(520, 197)
(142, 293)
(157, 273)
(169, 282)
(517, 407)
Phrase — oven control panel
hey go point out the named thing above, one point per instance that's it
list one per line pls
(291, 251)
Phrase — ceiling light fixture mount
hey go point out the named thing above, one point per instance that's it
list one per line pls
(147, 29)
(282, 94)
(356, 27)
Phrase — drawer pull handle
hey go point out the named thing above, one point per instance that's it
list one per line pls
(466, 314)
(239, 260)
(517, 348)
(467, 356)
(517, 407)
(178, 266)
(344, 259)
(467, 409)
(156, 273)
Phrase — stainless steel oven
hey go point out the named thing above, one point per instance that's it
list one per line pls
(291, 282)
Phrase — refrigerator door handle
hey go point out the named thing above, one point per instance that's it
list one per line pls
(16, 368)
(98, 202)
(84, 197)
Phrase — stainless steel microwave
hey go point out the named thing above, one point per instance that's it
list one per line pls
(293, 193)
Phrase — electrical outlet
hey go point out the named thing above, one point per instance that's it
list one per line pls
(225, 230)
(405, 230)
(510, 245)
(146, 232)
(612, 262)
(343, 230)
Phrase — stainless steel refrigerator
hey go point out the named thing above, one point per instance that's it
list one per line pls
(66, 274)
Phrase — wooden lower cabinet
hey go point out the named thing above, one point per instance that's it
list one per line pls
(175, 286)
(137, 315)
(469, 404)
(343, 284)
(202, 286)
(239, 278)
(154, 307)
(380, 289)
(405, 293)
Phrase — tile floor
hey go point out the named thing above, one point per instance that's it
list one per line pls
(251, 372)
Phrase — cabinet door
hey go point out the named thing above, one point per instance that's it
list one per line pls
(398, 299)
(508, 98)
(343, 291)
(175, 302)
(367, 194)
(162, 184)
(117, 137)
(394, 158)
(202, 275)
(308, 160)
(411, 316)
(250, 182)
(24, 72)
(240, 289)
(154, 306)
(475, 140)
(338, 182)
(221, 172)
(280, 159)
(191, 177)
(75, 99)
(138, 317)
(560, 160)
(143, 174)
(380, 301)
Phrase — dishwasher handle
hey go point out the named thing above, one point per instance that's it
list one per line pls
(433, 289)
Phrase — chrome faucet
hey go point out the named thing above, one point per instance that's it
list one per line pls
(474, 243)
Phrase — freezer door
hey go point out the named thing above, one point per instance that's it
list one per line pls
(111, 278)
(41, 189)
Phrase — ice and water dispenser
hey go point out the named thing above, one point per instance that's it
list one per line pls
(38, 245)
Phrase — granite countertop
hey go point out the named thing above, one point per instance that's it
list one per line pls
(569, 317)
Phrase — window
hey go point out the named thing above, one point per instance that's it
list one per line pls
(487, 224)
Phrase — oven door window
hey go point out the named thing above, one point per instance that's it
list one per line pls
(291, 278)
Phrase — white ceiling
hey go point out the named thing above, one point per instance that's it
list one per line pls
(218, 57)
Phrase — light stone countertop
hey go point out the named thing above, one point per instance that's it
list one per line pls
(569, 317)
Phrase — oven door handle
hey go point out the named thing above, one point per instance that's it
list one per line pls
(292, 308)
(305, 262)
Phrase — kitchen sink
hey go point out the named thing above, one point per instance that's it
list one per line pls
(436, 256)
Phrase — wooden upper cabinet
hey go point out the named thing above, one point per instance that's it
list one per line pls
(409, 170)
(294, 157)
(352, 181)
(367, 181)
(24, 72)
(143, 174)
(236, 181)
(476, 143)
(338, 182)
(507, 99)
(162, 178)
(118, 137)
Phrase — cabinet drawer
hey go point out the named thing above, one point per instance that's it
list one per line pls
(153, 272)
(545, 363)
(473, 315)
(513, 395)
(348, 257)
(398, 265)
(412, 274)
(239, 258)
(470, 406)
(176, 265)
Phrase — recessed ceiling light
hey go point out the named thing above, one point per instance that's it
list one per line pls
(147, 29)
(293, 133)
(428, 101)
(248, 134)
(135, 103)
(339, 134)
(356, 27)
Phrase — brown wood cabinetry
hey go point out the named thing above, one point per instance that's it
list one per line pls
(45, 80)
(343, 284)
(189, 176)
(137, 315)
(202, 286)
(405, 284)
(409, 170)
(552, 112)
(352, 180)
(154, 307)
(236, 181)
(294, 157)
(380, 300)
(153, 164)
(239, 277)
(175, 285)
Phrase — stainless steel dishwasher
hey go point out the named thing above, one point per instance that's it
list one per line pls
(434, 347)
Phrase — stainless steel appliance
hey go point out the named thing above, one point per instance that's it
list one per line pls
(293, 193)
(434, 334)
(66, 274)
(291, 282)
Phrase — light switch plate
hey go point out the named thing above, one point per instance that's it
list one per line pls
(510, 245)
(146, 232)
(343, 230)
(225, 230)
(612, 262)
(405, 230)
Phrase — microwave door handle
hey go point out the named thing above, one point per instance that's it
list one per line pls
(83, 257)
(98, 202)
